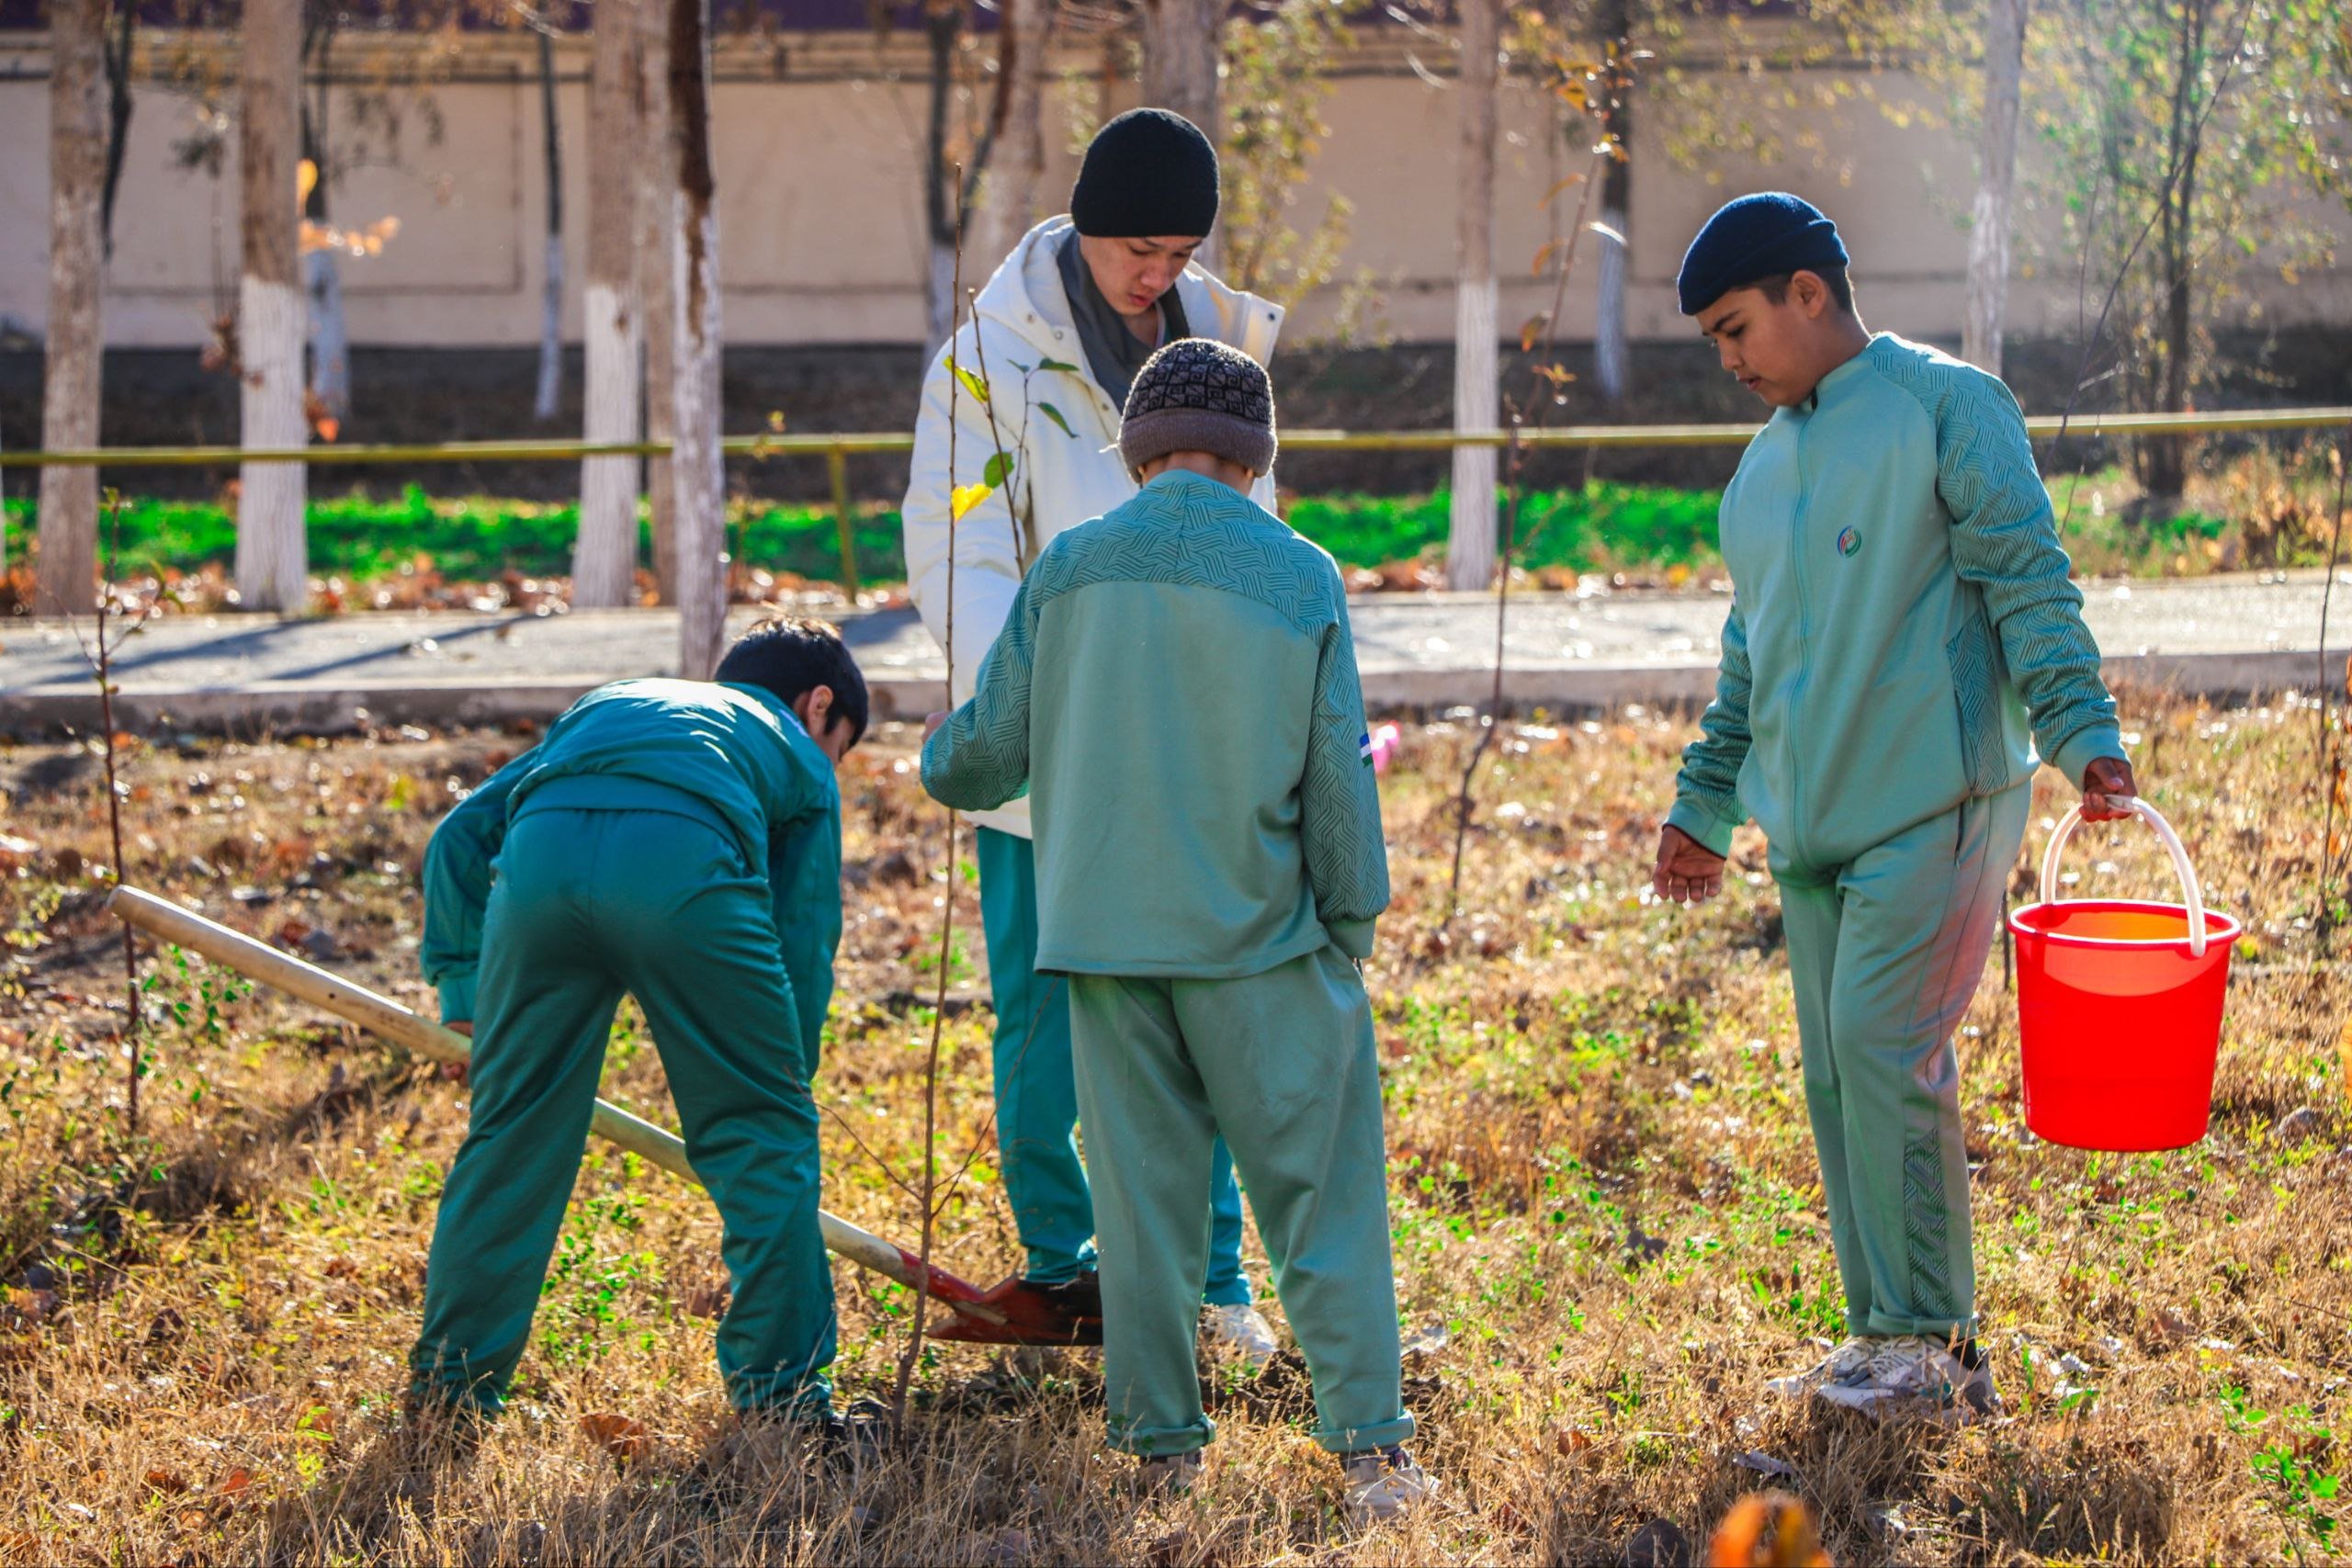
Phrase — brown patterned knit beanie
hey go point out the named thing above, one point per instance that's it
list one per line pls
(1198, 395)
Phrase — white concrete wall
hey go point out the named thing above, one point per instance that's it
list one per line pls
(821, 212)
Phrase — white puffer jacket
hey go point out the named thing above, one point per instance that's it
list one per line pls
(1020, 322)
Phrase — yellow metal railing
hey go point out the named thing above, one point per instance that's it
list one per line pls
(836, 449)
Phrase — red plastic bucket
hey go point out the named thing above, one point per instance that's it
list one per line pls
(2119, 1008)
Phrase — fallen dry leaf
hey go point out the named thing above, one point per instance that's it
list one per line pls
(616, 1435)
(1771, 1530)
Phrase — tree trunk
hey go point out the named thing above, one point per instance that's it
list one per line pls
(1182, 47)
(1610, 353)
(1180, 54)
(604, 567)
(272, 561)
(657, 161)
(126, 25)
(698, 469)
(550, 391)
(1009, 206)
(2168, 454)
(1470, 536)
(1989, 227)
(322, 274)
(76, 343)
(942, 25)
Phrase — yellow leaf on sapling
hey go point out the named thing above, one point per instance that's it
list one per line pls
(963, 497)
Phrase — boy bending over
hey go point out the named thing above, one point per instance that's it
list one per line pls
(1176, 684)
(1902, 637)
(679, 841)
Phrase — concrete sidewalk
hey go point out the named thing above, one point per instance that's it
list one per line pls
(251, 676)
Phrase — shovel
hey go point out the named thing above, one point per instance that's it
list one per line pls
(1009, 1314)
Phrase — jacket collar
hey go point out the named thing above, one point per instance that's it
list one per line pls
(1025, 297)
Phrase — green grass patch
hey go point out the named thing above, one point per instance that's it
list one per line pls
(473, 537)
(481, 536)
(1599, 528)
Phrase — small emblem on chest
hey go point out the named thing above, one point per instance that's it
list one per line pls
(1849, 541)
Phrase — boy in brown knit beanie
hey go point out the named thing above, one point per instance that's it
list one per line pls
(1210, 891)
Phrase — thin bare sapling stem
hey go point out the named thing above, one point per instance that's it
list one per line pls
(913, 1354)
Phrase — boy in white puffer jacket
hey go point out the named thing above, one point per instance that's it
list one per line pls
(1056, 335)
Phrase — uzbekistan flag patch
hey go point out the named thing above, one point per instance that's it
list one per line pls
(1363, 749)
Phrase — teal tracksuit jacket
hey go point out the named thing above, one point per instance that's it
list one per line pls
(1177, 686)
(1903, 646)
(679, 841)
(1902, 629)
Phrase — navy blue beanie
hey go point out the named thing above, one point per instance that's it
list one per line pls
(1755, 237)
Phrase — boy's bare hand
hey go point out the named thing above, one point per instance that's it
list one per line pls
(1686, 870)
(931, 725)
(455, 1071)
(2107, 777)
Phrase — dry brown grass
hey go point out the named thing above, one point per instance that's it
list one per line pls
(1607, 1220)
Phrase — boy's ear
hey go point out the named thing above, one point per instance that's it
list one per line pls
(814, 710)
(1810, 294)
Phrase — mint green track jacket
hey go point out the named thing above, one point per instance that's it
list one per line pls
(734, 756)
(1903, 631)
(1177, 684)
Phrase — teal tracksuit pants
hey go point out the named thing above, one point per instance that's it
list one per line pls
(1037, 1102)
(1885, 952)
(1284, 1065)
(587, 905)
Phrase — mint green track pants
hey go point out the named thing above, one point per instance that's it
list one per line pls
(587, 905)
(1885, 952)
(1037, 1102)
(1284, 1064)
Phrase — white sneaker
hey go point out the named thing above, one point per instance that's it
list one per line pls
(1909, 1372)
(1383, 1483)
(1841, 1362)
(1240, 1330)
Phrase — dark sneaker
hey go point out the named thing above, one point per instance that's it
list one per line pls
(1079, 1297)
(854, 1436)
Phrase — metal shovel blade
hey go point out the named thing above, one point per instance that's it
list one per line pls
(1032, 1316)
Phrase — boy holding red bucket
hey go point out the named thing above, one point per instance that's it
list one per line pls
(1903, 648)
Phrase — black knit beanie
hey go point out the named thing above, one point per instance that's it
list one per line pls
(1149, 172)
(1198, 395)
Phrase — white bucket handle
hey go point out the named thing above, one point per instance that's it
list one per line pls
(2154, 819)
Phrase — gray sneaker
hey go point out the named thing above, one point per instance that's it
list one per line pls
(1170, 1475)
(1909, 1373)
(1842, 1362)
(1383, 1483)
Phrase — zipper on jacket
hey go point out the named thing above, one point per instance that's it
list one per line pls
(1797, 544)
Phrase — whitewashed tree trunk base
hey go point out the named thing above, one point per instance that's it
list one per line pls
(1609, 351)
(698, 469)
(329, 335)
(550, 389)
(273, 564)
(73, 363)
(603, 569)
(1470, 532)
(1470, 535)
